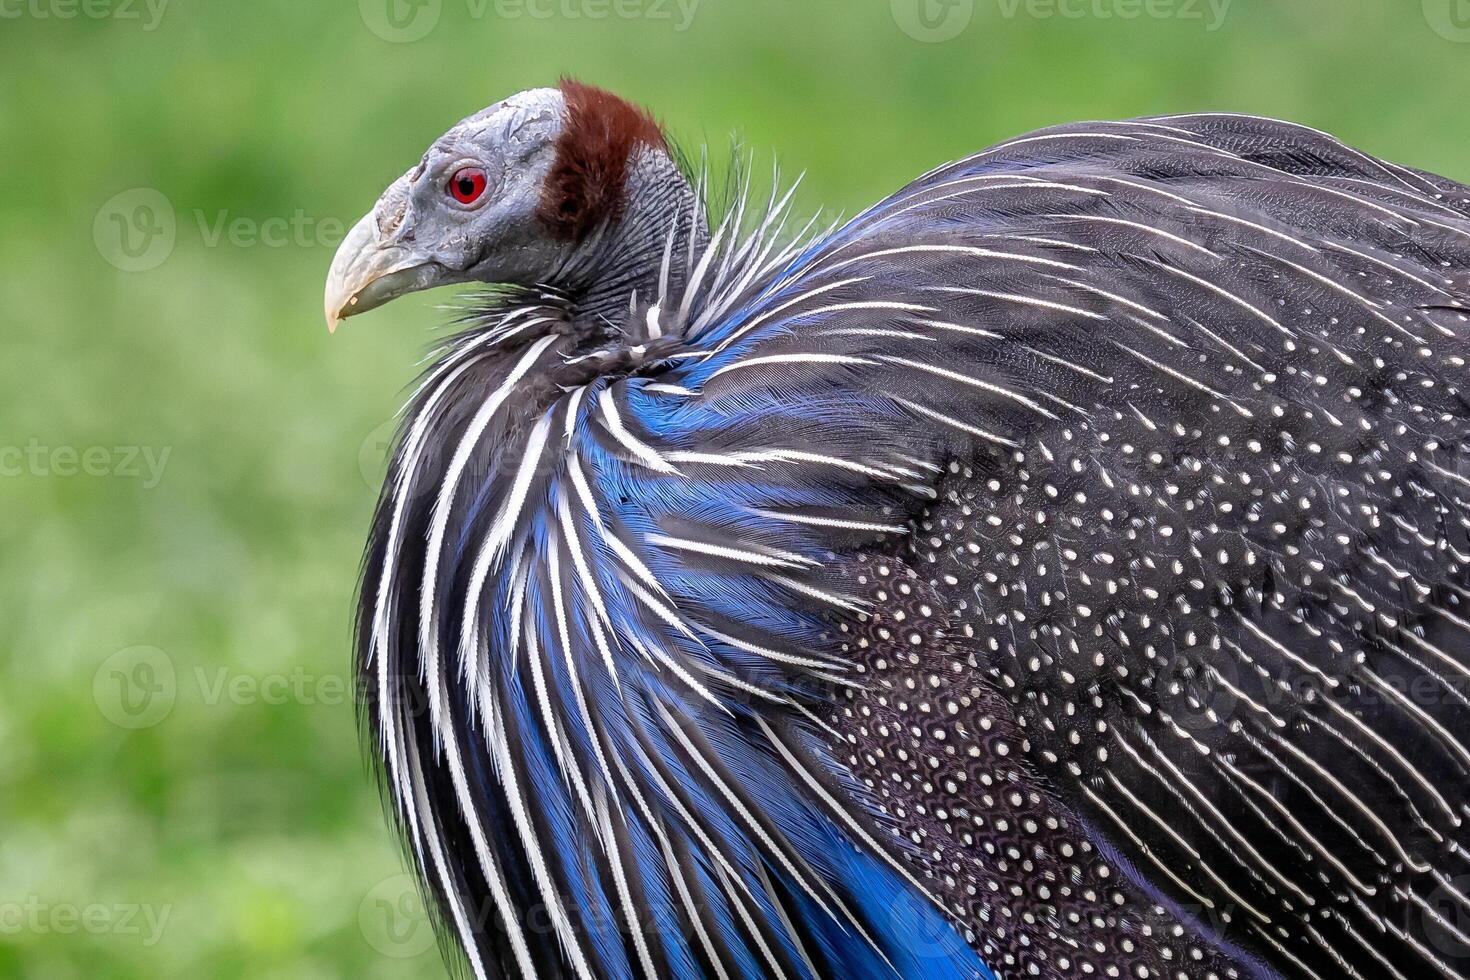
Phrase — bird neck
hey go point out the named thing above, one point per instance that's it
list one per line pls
(621, 266)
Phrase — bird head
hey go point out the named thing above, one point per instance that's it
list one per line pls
(550, 187)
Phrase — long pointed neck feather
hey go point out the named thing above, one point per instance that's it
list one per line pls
(621, 264)
(616, 194)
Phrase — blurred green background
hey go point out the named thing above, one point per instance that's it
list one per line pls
(188, 462)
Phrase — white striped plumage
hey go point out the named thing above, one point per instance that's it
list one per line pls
(502, 540)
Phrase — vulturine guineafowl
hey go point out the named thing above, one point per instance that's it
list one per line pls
(1057, 570)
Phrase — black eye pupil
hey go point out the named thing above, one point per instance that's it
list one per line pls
(466, 185)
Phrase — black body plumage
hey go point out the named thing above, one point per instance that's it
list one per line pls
(1075, 543)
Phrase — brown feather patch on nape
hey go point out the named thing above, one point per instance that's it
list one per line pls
(585, 186)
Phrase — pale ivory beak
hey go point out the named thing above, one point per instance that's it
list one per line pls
(366, 273)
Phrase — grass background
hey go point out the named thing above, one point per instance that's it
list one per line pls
(239, 818)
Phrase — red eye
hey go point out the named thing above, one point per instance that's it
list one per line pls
(467, 184)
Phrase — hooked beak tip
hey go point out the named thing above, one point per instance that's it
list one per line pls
(358, 270)
(366, 273)
(337, 312)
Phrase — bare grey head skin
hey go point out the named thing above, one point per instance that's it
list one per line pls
(566, 188)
